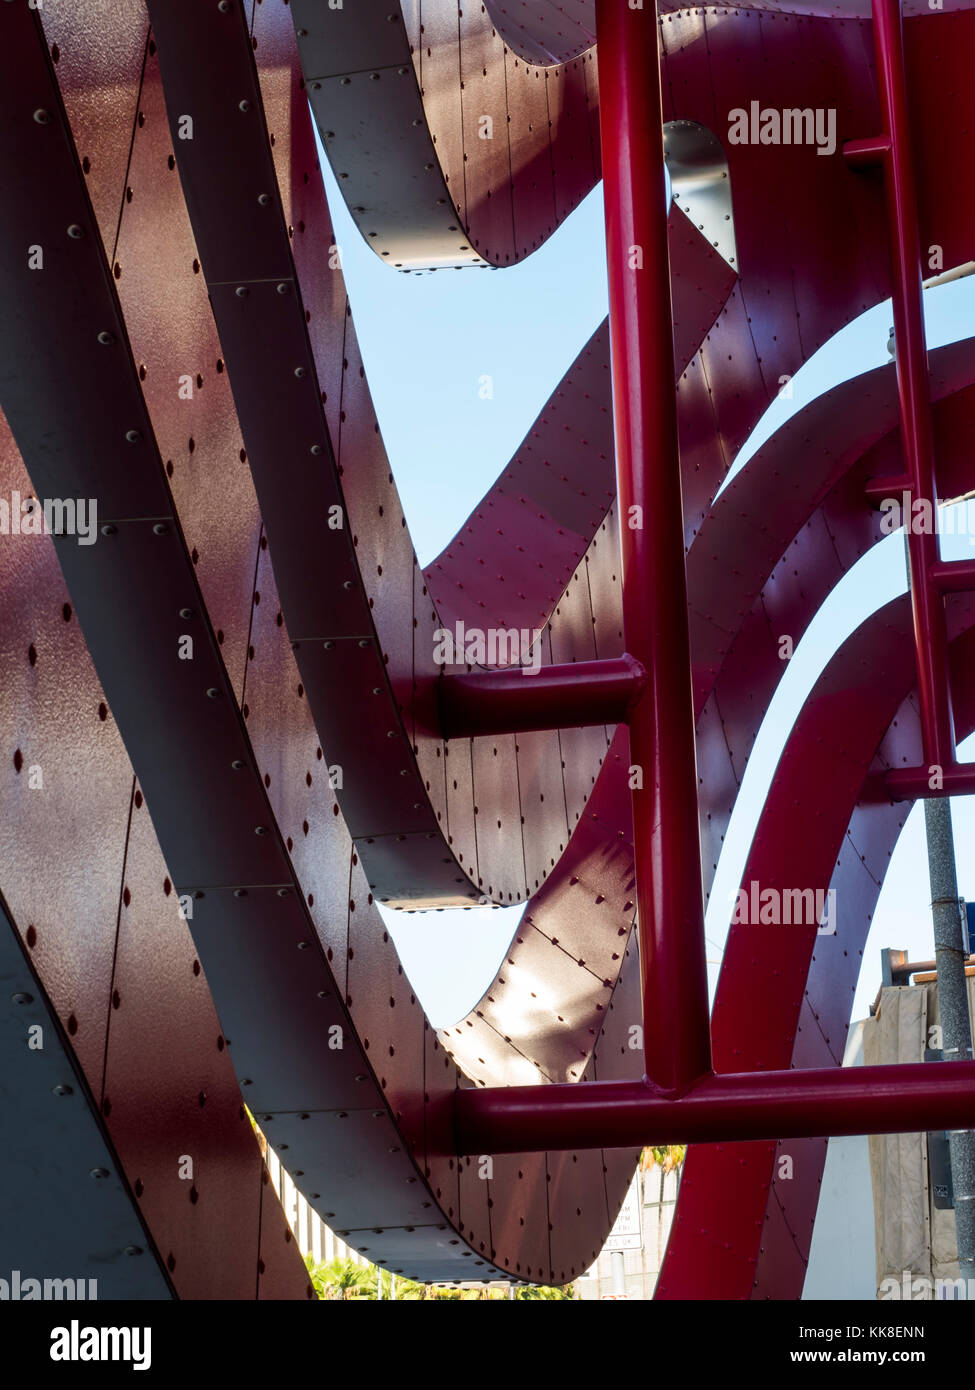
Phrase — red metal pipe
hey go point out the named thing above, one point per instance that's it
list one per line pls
(910, 783)
(911, 359)
(751, 1105)
(520, 699)
(667, 849)
(867, 153)
(954, 576)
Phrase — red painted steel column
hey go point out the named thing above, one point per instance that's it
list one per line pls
(930, 637)
(665, 817)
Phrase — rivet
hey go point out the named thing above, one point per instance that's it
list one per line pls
(348, 584)
(300, 371)
(132, 1250)
(186, 612)
(243, 106)
(75, 232)
(213, 693)
(263, 199)
(328, 646)
(316, 449)
(160, 528)
(238, 764)
(303, 945)
(302, 33)
(240, 892)
(105, 338)
(22, 998)
(133, 436)
(283, 288)
(364, 642)
(224, 6)
(41, 116)
(260, 829)
(99, 1173)
(284, 892)
(62, 1090)
(241, 291)
(109, 530)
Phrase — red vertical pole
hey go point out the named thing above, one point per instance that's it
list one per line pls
(912, 385)
(665, 817)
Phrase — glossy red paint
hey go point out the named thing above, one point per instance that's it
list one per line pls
(670, 909)
(730, 1108)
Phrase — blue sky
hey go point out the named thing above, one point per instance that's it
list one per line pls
(427, 341)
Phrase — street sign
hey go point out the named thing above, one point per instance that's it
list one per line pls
(626, 1233)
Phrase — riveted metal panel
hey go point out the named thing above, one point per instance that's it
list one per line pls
(533, 187)
(301, 782)
(68, 1206)
(483, 1050)
(280, 438)
(578, 1216)
(332, 42)
(184, 380)
(65, 781)
(487, 160)
(519, 1222)
(170, 1095)
(122, 618)
(281, 1272)
(539, 764)
(475, 1212)
(388, 1018)
(571, 151)
(326, 1146)
(100, 53)
(500, 856)
(368, 743)
(272, 983)
(460, 803)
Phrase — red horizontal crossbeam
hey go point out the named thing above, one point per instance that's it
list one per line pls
(915, 1096)
(909, 783)
(954, 576)
(520, 699)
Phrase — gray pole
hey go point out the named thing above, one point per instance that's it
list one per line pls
(617, 1261)
(956, 1034)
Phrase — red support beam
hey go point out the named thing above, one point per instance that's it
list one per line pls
(912, 379)
(751, 1105)
(954, 576)
(522, 698)
(665, 815)
(910, 783)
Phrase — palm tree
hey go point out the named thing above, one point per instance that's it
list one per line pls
(338, 1278)
(668, 1158)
